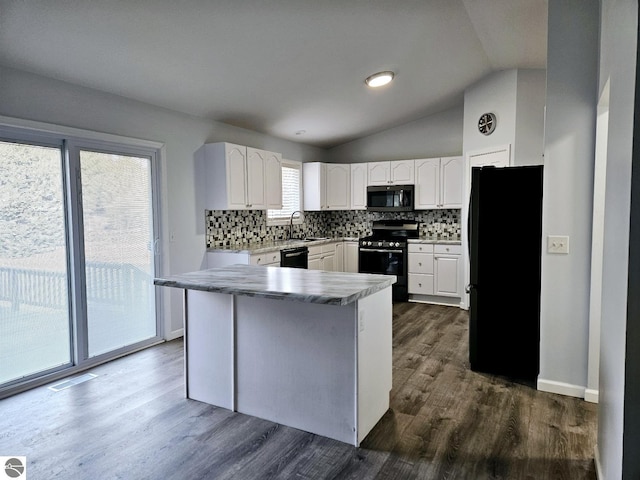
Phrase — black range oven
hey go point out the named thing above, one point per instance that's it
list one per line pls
(385, 252)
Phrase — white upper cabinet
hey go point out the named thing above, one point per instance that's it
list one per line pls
(451, 174)
(256, 198)
(326, 186)
(273, 180)
(398, 172)
(240, 178)
(427, 183)
(439, 183)
(402, 172)
(379, 173)
(359, 186)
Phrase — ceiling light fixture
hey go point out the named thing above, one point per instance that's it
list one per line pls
(379, 79)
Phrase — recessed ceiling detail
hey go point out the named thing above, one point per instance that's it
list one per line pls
(379, 79)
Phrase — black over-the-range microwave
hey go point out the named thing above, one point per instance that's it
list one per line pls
(390, 198)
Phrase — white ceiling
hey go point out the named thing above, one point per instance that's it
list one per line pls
(278, 66)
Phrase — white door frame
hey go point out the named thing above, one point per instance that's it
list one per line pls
(499, 156)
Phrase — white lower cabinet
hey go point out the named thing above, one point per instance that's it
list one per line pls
(351, 257)
(224, 259)
(434, 273)
(339, 261)
(421, 268)
(447, 270)
(271, 259)
(322, 257)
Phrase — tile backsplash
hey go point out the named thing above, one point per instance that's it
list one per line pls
(229, 227)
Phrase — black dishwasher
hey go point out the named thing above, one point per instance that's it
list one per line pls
(296, 257)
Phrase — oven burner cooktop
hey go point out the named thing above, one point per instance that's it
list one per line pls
(391, 234)
(385, 252)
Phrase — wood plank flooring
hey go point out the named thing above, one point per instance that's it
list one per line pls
(445, 422)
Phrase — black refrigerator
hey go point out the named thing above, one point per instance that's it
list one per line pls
(505, 247)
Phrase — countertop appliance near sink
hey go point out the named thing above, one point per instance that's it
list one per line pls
(295, 257)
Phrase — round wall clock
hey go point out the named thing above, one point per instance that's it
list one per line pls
(487, 123)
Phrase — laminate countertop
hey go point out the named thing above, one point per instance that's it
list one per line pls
(296, 284)
(442, 241)
(274, 246)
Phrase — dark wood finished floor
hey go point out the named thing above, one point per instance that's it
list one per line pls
(445, 422)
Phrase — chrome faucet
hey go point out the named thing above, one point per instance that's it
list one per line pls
(291, 223)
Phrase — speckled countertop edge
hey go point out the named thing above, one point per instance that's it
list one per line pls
(436, 240)
(295, 284)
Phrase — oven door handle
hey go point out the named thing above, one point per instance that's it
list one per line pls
(380, 250)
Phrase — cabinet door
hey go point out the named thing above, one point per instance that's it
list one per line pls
(273, 180)
(446, 276)
(313, 187)
(351, 257)
(236, 162)
(339, 260)
(255, 179)
(451, 182)
(427, 183)
(402, 172)
(378, 173)
(337, 186)
(314, 263)
(358, 186)
(329, 262)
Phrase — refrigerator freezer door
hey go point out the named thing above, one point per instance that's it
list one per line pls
(505, 252)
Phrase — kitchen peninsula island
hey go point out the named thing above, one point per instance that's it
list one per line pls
(305, 348)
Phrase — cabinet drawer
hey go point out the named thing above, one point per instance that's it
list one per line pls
(448, 249)
(421, 284)
(315, 250)
(421, 263)
(328, 248)
(270, 258)
(420, 248)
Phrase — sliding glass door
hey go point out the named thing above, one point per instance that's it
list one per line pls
(77, 254)
(117, 217)
(35, 327)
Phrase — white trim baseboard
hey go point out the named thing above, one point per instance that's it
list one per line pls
(591, 395)
(599, 474)
(561, 388)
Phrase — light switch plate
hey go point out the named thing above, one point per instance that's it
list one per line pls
(558, 244)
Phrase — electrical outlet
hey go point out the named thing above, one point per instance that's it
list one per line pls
(361, 320)
(172, 236)
(558, 244)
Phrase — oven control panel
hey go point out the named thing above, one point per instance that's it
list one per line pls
(382, 244)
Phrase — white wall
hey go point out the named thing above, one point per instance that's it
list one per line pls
(572, 72)
(497, 94)
(530, 102)
(617, 410)
(433, 136)
(32, 97)
(517, 98)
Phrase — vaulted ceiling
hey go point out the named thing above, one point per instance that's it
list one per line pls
(278, 66)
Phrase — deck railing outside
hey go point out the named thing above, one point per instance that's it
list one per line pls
(107, 283)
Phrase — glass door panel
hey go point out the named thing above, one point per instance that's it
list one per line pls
(35, 327)
(117, 211)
